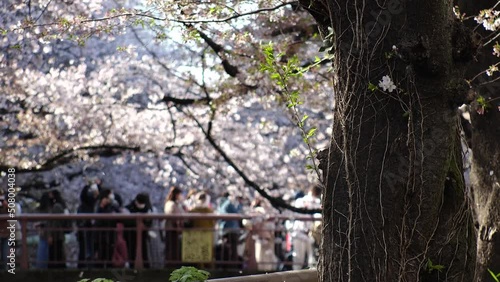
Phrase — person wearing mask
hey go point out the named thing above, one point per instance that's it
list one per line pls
(230, 228)
(141, 204)
(88, 200)
(173, 205)
(105, 236)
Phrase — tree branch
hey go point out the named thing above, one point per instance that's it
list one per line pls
(186, 102)
(104, 147)
(218, 49)
(278, 203)
(236, 16)
(55, 160)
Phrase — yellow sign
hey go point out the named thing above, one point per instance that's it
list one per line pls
(197, 246)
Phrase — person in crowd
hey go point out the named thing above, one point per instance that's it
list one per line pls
(50, 252)
(231, 229)
(4, 232)
(141, 204)
(302, 242)
(42, 252)
(120, 253)
(201, 204)
(190, 199)
(299, 194)
(56, 236)
(88, 200)
(173, 205)
(155, 244)
(262, 238)
(105, 235)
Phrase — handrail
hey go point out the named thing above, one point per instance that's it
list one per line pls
(24, 219)
(309, 275)
(76, 216)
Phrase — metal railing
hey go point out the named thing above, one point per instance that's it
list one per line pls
(35, 230)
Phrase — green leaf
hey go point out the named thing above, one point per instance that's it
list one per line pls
(311, 132)
(326, 48)
(139, 22)
(188, 274)
(482, 102)
(431, 266)
(372, 87)
(495, 276)
(309, 167)
(304, 118)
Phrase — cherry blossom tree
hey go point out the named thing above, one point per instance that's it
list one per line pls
(177, 80)
(91, 80)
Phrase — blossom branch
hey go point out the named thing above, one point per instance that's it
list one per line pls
(236, 16)
(276, 202)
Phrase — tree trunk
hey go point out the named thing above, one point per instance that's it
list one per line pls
(485, 182)
(394, 205)
(485, 167)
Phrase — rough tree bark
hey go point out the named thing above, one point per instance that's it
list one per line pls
(395, 205)
(485, 162)
(485, 182)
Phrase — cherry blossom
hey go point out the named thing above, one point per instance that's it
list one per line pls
(386, 84)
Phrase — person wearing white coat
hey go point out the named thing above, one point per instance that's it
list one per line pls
(303, 251)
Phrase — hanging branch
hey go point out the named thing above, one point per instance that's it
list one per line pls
(67, 155)
(236, 15)
(277, 203)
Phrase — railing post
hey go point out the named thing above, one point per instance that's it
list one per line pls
(139, 263)
(24, 240)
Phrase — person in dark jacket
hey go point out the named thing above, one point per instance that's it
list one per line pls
(141, 204)
(51, 249)
(57, 258)
(105, 239)
(88, 200)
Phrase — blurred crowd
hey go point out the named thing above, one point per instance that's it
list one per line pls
(261, 240)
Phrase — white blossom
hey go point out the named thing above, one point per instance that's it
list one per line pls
(489, 19)
(386, 84)
(491, 70)
(97, 95)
